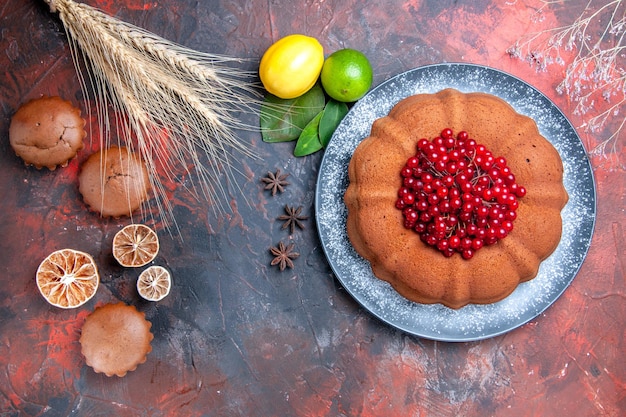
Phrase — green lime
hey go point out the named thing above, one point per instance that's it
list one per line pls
(346, 75)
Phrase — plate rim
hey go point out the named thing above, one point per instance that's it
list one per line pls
(359, 298)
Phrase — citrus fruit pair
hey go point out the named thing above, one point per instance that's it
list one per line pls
(136, 245)
(293, 64)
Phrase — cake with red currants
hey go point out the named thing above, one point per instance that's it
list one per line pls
(455, 198)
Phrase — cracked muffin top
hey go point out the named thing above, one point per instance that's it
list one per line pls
(47, 132)
(114, 182)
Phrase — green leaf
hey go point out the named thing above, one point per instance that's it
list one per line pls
(283, 120)
(309, 140)
(333, 113)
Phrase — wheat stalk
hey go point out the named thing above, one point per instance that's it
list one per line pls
(175, 106)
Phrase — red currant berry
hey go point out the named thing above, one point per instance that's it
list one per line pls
(443, 245)
(448, 252)
(501, 232)
(477, 243)
(511, 215)
(420, 227)
(431, 240)
(413, 162)
(406, 172)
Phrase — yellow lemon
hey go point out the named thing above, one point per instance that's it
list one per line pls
(291, 66)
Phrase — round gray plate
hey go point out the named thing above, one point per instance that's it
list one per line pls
(472, 322)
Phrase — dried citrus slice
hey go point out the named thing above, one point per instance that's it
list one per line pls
(154, 283)
(68, 278)
(135, 245)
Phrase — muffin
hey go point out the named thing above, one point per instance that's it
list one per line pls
(114, 182)
(115, 339)
(47, 132)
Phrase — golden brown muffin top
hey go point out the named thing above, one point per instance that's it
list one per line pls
(47, 132)
(115, 339)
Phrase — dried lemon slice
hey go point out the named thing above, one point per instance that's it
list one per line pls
(67, 278)
(135, 245)
(154, 283)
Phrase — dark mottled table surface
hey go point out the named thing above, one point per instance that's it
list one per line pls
(238, 337)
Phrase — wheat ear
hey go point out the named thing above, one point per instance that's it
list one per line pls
(176, 107)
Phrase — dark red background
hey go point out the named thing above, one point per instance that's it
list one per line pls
(237, 337)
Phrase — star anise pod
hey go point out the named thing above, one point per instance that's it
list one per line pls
(283, 255)
(275, 181)
(292, 218)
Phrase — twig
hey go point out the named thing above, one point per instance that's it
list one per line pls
(595, 78)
